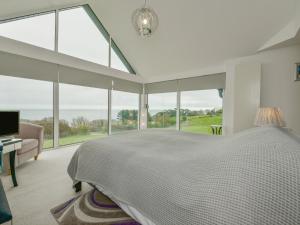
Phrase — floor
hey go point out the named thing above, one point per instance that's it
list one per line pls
(43, 184)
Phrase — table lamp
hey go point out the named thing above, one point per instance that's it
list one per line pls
(269, 116)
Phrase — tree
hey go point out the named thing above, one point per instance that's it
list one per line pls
(127, 115)
(64, 128)
(47, 123)
(80, 125)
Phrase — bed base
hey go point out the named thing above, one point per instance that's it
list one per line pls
(77, 186)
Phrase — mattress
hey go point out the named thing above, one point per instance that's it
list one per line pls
(171, 177)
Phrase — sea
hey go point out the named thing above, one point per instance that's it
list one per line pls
(67, 114)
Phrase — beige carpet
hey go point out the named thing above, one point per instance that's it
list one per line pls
(43, 184)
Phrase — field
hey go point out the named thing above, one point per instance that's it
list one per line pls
(195, 124)
(200, 124)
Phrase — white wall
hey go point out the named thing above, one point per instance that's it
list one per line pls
(278, 87)
(242, 96)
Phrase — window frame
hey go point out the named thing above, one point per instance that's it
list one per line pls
(178, 105)
(58, 117)
(53, 105)
(177, 108)
(112, 108)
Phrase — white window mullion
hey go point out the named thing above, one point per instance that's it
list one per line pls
(139, 112)
(109, 53)
(55, 114)
(56, 30)
(178, 111)
(143, 110)
(109, 111)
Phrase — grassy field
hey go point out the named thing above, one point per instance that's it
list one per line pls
(74, 139)
(194, 124)
(201, 124)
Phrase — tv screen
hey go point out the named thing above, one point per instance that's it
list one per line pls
(9, 123)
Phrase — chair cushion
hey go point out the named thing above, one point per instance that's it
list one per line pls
(28, 145)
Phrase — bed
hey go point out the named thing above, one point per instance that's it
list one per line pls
(168, 177)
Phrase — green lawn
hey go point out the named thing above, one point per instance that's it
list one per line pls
(74, 139)
(201, 124)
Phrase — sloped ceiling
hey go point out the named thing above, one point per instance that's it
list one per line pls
(194, 37)
(193, 34)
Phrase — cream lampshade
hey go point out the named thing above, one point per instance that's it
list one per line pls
(269, 116)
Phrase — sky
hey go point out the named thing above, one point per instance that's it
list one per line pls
(193, 100)
(33, 94)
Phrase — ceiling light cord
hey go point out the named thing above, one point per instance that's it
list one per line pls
(145, 4)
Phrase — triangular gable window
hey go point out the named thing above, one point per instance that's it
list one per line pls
(80, 34)
(118, 60)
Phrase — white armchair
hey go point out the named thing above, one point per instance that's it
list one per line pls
(32, 144)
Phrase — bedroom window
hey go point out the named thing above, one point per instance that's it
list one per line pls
(79, 34)
(125, 108)
(83, 113)
(162, 110)
(199, 110)
(34, 100)
(80, 37)
(36, 30)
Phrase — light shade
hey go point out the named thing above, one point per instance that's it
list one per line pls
(145, 21)
(269, 116)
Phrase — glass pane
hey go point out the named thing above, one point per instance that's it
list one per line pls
(82, 113)
(116, 62)
(125, 107)
(162, 110)
(199, 110)
(34, 100)
(80, 37)
(36, 30)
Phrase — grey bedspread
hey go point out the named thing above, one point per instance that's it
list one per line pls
(187, 179)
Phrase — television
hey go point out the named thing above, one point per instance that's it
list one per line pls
(9, 123)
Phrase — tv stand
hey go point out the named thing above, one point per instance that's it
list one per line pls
(10, 147)
(6, 139)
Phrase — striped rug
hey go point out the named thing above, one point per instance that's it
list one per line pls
(91, 208)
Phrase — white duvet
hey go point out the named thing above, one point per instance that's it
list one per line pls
(187, 179)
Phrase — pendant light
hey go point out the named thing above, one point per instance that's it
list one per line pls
(145, 20)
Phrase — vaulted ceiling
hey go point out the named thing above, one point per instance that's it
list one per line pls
(193, 37)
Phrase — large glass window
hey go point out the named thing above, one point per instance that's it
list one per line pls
(162, 110)
(125, 107)
(80, 37)
(83, 113)
(36, 30)
(80, 34)
(34, 100)
(200, 110)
